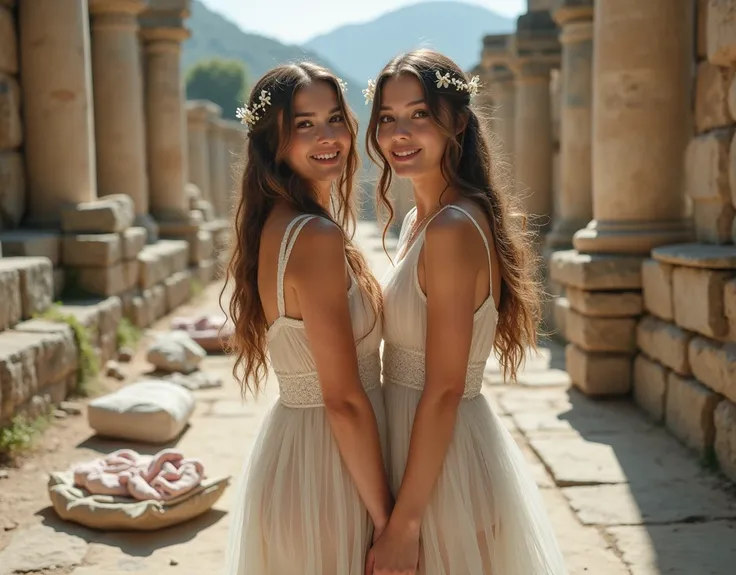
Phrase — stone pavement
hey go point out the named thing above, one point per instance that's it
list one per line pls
(624, 496)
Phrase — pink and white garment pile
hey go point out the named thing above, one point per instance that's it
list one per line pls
(163, 476)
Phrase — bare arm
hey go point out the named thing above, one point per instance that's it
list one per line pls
(321, 285)
(451, 274)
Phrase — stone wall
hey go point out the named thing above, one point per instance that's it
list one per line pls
(642, 263)
(96, 209)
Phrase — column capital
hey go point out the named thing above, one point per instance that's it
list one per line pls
(567, 11)
(576, 31)
(536, 33)
(163, 21)
(201, 112)
(173, 36)
(496, 50)
(117, 7)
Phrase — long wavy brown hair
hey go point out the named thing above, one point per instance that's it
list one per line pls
(467, 167)
(266, 180)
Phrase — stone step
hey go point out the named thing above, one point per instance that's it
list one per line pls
(26, 288)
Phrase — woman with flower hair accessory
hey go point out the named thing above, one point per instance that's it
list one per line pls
(314, 490)
(464, 286)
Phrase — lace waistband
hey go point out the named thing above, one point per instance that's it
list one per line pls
(405, 367)
(303, 390)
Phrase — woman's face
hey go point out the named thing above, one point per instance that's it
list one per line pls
(408, 137)
(320, 139)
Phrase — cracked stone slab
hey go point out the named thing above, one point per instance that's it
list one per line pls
(633, 457)
(686, 549)
(660, 503)
(41, 547)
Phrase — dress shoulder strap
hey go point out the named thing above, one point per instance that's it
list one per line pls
(287, 244)
(482, 235)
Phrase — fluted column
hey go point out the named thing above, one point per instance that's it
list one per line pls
(163, 33)
(575, 198)
(57, 106)
(537, 52)
(642, 83)
(495, 59)
(117, 73)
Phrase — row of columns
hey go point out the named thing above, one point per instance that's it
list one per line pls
(128, 134)
(622, 130)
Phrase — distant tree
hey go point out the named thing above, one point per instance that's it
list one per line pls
(224, 82)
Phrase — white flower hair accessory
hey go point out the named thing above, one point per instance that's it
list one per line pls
(443, 81)
(370, 91)
(249, 116)
(343, 85)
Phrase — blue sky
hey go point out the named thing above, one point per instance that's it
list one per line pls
(295, 21)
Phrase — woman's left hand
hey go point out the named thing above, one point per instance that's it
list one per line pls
(395, 552)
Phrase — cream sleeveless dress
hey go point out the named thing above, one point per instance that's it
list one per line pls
(298, 511)
(486, 515)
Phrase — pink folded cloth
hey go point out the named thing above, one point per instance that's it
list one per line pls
(125, 472)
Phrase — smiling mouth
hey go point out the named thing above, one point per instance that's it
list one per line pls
(326, 157)
(405, 154)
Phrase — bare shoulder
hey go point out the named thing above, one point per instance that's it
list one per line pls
(320, 249)
(450, 233)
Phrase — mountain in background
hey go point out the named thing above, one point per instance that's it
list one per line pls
(214, 36)
(453, 28)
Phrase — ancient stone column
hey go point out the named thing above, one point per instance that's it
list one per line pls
(643, 74)
(574, 205)
(119, 111)
(218, 177)
(536, 55)
(163, 32)
(495, 59)
(198, 114)
(57, 106)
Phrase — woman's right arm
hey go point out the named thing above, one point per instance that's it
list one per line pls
(319, 276)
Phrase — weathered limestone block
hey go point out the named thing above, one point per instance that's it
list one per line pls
(205, 207)
(596, 272)
(18, 376)
(604, 304)
(36, 283)
(711, 97)
(111, 214)
(665, 342)
(650, 386)
(601, 334)
(721, 32)
(204, 271)
(598, 374)
(729, 305)
(32, 243)
(698, 300)
(10, 308)
(714, 364)
(91, 250)
(134, 240)
(11, 127)
(562, 307)
(157, 301)
(713, 221)
(657, 279)
(706, 165)
(690, 409)
(131, 272)
(178, 289)
(105, 281)
(12, 189)
(135, 309)
(201, 247)
(724, 420)
(154, 268)
(176, 252)
(220, 230)
(57, 354)
(8, 42)
(101, 317)
(697, 256)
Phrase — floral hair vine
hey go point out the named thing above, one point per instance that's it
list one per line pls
(443, 81)
(250, 115)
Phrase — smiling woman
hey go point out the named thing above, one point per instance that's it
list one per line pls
(314, 487)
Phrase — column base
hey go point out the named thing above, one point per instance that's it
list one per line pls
(147, 222)
(633, 237)
(562, 232)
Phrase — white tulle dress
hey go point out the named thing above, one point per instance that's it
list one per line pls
(297, 510)
(486, 515)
